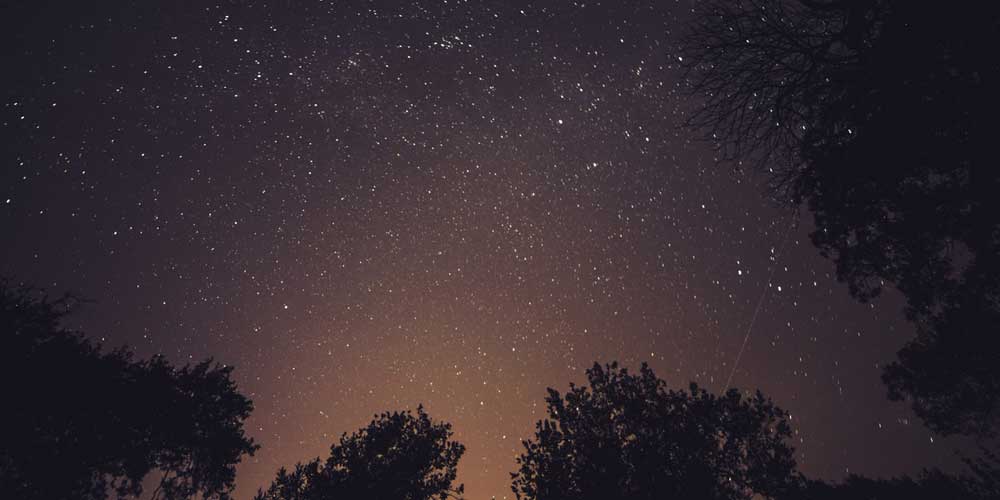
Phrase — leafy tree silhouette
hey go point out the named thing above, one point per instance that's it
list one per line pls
(878, 116)
(930, 485)
(627, 436)
(399, 456)
(82, 423)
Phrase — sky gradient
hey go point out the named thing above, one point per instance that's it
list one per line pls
(365, 206)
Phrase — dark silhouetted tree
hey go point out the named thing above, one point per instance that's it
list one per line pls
(627, 436)
(399, 456)
(85, 424)
(930, 485)
(878, 115)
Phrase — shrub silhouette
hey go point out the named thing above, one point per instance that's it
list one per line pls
(399, 456)
(627, 436)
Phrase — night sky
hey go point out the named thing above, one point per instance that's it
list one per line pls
(365, 206)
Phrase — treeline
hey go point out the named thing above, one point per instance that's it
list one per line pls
(87, 424)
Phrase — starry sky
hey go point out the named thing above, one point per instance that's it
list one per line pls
(365, 206)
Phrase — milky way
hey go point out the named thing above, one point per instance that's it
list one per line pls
(365, 206)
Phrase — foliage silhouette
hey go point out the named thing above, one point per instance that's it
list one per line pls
(82, 423)
(399, 456)
(930, 485)
(878, 116)
(627, 436)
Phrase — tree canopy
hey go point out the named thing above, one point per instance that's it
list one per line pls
(83, 423)
(877, 115)
(930, 485)
(399, 456)
(628, 436)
